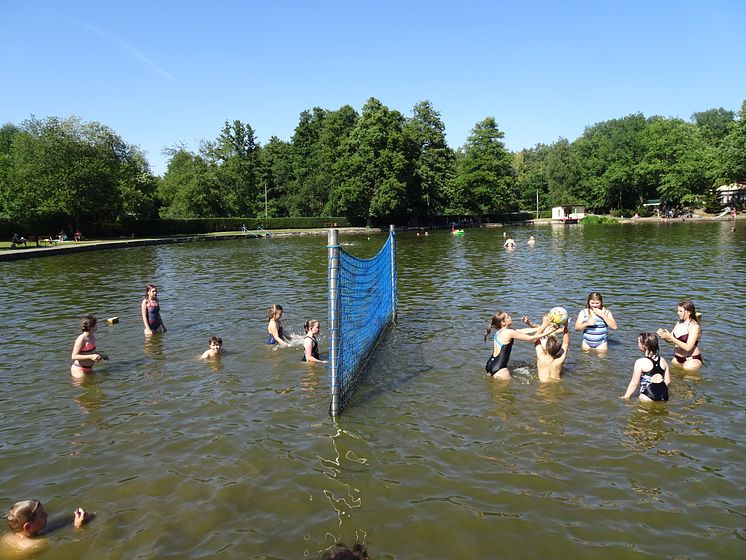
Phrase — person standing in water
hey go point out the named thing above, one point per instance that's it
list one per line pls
(685, 336)
(84, 353)
(595, 321)
(497, 364)
(276, 337)
(651, 372)
(150, 309)
(311, 343)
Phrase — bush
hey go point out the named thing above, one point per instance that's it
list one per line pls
(593, 219)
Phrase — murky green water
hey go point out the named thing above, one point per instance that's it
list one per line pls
(433, 459)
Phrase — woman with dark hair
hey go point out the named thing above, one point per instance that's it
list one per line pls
(651, 372)
(685, 336)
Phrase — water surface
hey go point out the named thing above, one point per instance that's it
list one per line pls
(433, 459)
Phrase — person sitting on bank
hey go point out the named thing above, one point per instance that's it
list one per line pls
(26, 520)
(17, 240)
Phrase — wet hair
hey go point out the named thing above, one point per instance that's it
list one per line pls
(150, 287)
(689, 308)
(497, 322)
(215, 339)
(21, 513)
(342, 552)
(595, 295)
(553, 346)
(649, 342)
(87, 323)
(273, 311)
(311, 323)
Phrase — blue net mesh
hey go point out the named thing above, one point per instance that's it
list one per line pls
(365, 303)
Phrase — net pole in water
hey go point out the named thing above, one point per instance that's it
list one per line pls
(392, 233)
(333, 246)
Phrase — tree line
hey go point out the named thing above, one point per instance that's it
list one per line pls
(377, 163)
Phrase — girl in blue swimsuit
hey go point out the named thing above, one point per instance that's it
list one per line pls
(651, 373)
(497, 364)
(275, 336)
(595, 321)
(150, 309)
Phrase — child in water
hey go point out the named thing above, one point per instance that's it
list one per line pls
(216, 348)
(595, 321)
(550, 352)
(150, 309)
(310, 343)
(274, 327)
(84, 353)
(26, 519)
(651, 373)
(497, 364)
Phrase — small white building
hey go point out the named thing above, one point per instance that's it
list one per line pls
(568, 213)
(732, 195)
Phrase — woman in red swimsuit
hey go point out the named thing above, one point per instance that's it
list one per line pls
(84, 350)
(685, 337)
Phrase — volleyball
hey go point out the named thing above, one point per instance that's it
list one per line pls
(558, 316)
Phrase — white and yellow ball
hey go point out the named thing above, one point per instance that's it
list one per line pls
(558, 316)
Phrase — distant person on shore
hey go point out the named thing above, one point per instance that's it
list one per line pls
(26, 520)
(685, 336)
(84, 353)
(276, 337)
(531, 241)
(509, 243)
(651, 372)
(150, 309)
(497, 364)
(215, 349)
(595, 321)
(311, 343)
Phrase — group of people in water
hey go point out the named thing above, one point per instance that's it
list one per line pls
(650, 373)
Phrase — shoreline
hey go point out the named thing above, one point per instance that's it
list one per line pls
(67, 247)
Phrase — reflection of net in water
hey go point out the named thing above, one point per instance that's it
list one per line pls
(362, 302)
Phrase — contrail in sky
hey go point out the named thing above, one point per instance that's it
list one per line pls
(132, 50)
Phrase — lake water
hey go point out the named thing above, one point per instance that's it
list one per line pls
(432, 459)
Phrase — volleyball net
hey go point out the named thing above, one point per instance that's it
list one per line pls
(362, 302)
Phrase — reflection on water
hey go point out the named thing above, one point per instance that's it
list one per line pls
(237, 457)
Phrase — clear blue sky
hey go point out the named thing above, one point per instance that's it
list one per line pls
(163, 73)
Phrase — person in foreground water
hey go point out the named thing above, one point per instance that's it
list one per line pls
(685, 336)
(651, 372)
(84, 353)
(27, 520)
(276, 337)
(497, 364)
(311, 343)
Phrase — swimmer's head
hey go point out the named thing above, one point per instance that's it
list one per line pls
(88, 323)
(553, 346)
(498, 321)
(689, 311)
(648, 343)
(274, 312)
(151, 288)
(215, 341)
(310, 324)
(597, 299)
(27, 516)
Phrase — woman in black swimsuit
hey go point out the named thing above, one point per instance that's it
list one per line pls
(651, 373)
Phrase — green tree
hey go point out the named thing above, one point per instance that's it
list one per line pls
(65, 168)
(677, 160)
(432, 161)
(373, 167)
(732, 154)
(714, 124)
(276, 175)
(562, 172)
(235, 160)
(531, 178)
(484, 182)
(188, 188)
